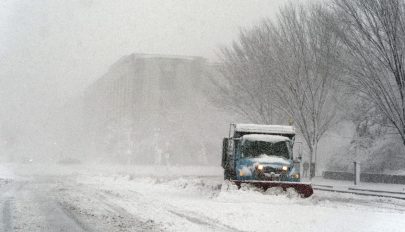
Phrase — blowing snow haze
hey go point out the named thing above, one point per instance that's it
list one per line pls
(52, 51)
(202, 115)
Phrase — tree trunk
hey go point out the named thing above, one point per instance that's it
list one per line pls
(311, 162)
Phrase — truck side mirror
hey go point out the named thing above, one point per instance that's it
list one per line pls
(298, 159)
(225, 145)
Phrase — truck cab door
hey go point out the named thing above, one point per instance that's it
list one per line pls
(228, 153)
(225, 151)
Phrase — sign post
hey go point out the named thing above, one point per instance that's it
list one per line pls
(356, 173)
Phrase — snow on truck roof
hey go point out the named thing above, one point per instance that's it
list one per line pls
(256, 128)
(265, 138)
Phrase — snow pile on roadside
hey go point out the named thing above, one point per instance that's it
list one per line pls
(214, 187)
(207, 187)
(211, 187)
(231, 191)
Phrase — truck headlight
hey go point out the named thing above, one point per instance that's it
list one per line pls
(285, 168)
(260, 167)
(296, 176)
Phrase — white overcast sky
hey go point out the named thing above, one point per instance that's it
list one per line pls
(52, 49)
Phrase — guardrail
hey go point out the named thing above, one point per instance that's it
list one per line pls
(365, 177)
(362, 192)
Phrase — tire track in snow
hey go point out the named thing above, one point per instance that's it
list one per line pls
(74, 219)
(201, 220)
(141, 225)
(170, 210)
(100, 211)
(212, 225)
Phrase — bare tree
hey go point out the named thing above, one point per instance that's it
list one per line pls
(247, 91)
(304, 68)
(288, 66)
(373, 32)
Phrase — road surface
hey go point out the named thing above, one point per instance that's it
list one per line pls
(101, 201)
(43, 204)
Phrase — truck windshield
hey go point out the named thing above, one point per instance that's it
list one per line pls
(257, 148)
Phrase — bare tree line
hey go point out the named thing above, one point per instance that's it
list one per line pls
(373, 33)
(296, 67)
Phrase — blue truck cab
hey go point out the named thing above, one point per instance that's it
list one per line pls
(255, 152)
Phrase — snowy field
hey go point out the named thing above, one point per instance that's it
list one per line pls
(123, 198)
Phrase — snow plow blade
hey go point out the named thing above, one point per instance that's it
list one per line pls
(303, 189)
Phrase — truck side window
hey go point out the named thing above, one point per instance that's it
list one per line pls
(237, 149)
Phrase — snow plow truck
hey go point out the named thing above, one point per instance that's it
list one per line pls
(262, 156)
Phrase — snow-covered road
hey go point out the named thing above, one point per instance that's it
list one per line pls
(31, 206)
(100, 200)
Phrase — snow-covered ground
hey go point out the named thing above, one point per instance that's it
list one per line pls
(7, 171)
(106, 198)
(201, 201)
(362, 185)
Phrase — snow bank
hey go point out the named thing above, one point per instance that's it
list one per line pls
(199, 186)
(208, 201)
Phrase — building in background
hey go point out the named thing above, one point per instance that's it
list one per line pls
(154, 109)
